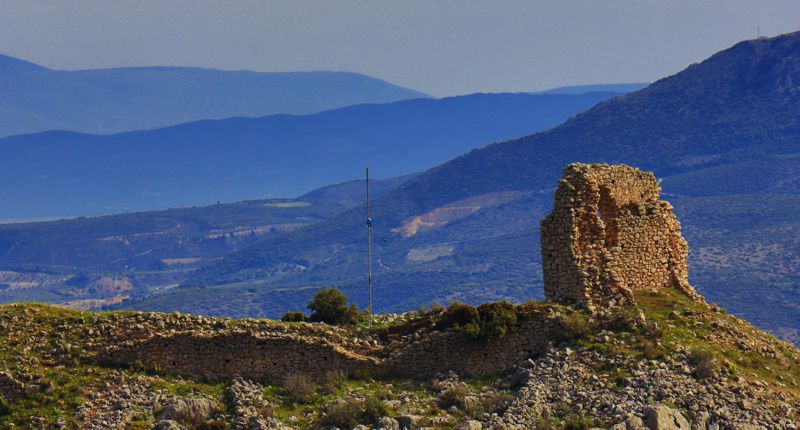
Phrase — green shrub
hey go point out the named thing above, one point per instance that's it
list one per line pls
(374, 409)
(299, 386)
(488, 320)
(329, 305)
(546, 424)
(457, 316)
(293, 317)
(578, 422)
(453, 395)
(333, 381)
(703, 362)
(345, 413)
(490, 403)
(575, 326)
(5, 406)
(496, 319)
(652, 351)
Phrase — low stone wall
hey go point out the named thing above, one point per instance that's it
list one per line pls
(270, 357)
(228, 355)
(445, 351)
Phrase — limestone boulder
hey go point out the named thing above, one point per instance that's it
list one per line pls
(192, 412)
(661, 417)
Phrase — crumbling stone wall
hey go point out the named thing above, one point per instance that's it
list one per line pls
(227, 355)
(608, 235)
(441, 352)
(270, 357)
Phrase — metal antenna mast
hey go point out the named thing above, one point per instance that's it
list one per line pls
(369, 245)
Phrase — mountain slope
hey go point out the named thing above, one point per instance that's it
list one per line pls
(88, 261)
(733, 113)
(59, 174)
(37, 99)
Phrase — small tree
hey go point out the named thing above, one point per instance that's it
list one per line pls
(329, 305)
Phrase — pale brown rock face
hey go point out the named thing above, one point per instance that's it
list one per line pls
(608, 235)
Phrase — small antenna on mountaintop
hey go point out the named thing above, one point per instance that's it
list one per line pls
(369, 247)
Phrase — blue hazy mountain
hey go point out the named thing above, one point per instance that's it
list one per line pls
(723, 134)
(57, 174)
(34, 98)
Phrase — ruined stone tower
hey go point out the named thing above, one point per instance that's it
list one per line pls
(608, 235)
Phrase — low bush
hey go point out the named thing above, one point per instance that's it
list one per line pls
(578, 422)
(546, 424)
(496, 319)
(489, 320)
(333, 381)
(703, 361)
(293, 317)
(575, 326)
(458, 315)
(300, 387)
(652, 351)
(374, 409)
(489, 403)
(345, 413)
(453, 395)
(5, 406)
(329, 305)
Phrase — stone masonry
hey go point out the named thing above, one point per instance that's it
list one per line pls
(608, 235)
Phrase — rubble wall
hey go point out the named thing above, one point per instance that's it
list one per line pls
(210, 357)
(228, 355)
(608, 235)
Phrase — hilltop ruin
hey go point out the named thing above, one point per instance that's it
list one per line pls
(608, 235)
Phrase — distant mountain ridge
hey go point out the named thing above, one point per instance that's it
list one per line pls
(717, 121)
(590, 88)
(61, 174)
(35, 98)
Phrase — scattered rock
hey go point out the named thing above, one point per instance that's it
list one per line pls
(388, 423)
(661, 417)
(192, 412)
(470, 425)
(409, 422)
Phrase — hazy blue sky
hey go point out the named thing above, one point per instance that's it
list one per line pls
(439, 47)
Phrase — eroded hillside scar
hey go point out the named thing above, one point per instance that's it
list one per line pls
(608, 235)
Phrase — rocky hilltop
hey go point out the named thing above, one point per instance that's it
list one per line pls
(623, 342)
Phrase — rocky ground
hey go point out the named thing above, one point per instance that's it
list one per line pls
(667, 363)
(619, 393)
